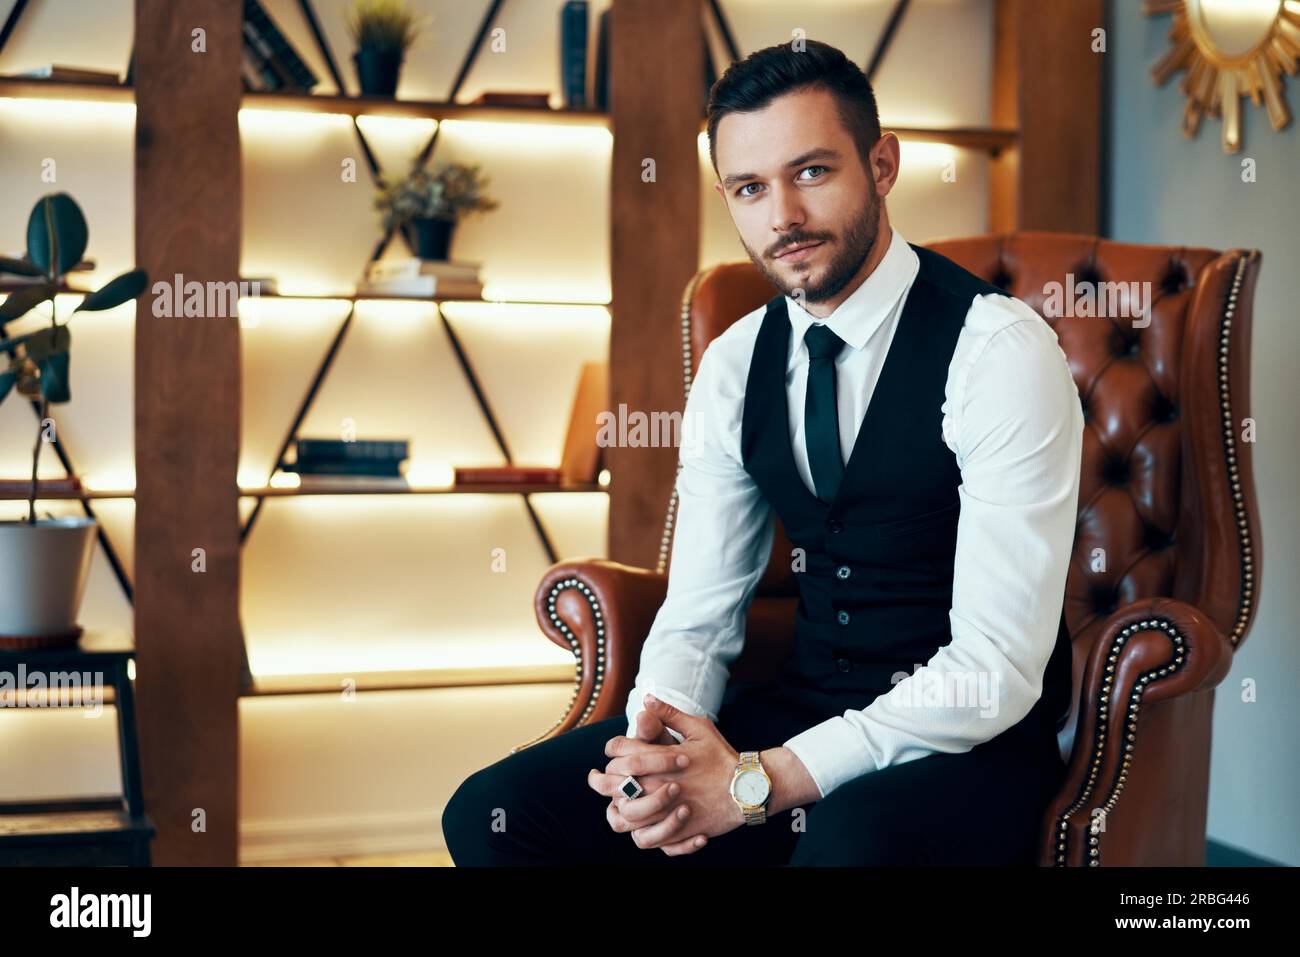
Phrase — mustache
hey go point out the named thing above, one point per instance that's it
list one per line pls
(791, 243)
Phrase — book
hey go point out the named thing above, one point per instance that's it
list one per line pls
(507, 475)
(358, 468)
(259, 51)
(516, 98)
(346, 482)
(67, 74)
(411, 266)
(258, 75)
(573, 54)
(420, 287)
(370, 449)
(600, 82)
(582, 456)
(282, 55)
(260, 285)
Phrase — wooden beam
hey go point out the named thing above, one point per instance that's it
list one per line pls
(654, 246)
(1048, 85)
(187, 429)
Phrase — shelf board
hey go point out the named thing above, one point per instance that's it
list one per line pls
(353, 297)
(971, 137)
(421, 109)
(413, 680)
(20, 88)
(500, 488)
(62, 494)
(29, 89)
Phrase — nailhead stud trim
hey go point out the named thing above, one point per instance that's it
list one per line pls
(666, 540)
(558, 624)
(1129, 738)
(1230, 455)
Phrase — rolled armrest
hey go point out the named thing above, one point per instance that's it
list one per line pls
(601, 611)
(1141, 747)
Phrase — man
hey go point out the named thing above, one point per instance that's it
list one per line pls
(919, 435)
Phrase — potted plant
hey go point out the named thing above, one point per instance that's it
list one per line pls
(44, 563)
(430, 204)
(383, 31)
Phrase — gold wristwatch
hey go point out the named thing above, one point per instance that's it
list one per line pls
(751, 787)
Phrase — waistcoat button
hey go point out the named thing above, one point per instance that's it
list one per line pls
(835, 525)
(842, 572)
(842, 664)
(842, 618)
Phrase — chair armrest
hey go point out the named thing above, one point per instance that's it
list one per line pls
(1142, 685)
(601, 611)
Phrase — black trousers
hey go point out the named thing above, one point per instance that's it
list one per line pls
(982, 807)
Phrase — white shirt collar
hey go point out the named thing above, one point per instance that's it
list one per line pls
(861, 314)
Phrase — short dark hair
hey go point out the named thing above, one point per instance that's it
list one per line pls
(752, 83)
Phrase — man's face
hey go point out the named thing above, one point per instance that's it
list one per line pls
(791, 175)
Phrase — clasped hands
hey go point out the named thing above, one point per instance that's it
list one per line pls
(686, 797)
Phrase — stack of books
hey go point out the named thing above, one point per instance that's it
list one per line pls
(269, 62)
(336, 461)
(416, 278)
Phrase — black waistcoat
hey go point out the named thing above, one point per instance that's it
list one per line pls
(875, 588)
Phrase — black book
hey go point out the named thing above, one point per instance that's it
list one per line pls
(573, 53)
(384, 450)
(276, 49)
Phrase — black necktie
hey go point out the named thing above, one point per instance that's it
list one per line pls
(820, 414)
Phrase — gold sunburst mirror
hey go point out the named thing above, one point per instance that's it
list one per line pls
(1230, 49)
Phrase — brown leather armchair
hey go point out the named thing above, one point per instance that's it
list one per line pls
(1166, 490)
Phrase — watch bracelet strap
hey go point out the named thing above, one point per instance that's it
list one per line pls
(757, 815)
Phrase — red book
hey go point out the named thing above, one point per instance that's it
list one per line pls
(507, 475)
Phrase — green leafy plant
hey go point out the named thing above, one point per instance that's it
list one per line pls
(385, 26)
(38, 362)
(452, 191)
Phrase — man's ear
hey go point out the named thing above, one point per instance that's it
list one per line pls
(885, 160)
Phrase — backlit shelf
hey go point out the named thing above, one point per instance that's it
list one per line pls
(990, 139)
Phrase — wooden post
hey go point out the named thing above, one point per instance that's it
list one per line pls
(1047, 82)
(656, 101)
(187, 428)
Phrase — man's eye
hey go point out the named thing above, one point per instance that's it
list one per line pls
(741, 191)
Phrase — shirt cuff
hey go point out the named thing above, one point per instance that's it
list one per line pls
(833, 752)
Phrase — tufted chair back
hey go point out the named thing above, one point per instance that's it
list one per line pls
(1166, 503)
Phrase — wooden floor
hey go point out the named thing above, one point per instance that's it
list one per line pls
(413, 859)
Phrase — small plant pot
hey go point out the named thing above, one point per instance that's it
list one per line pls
(433, 237)
(377, 71)
(44, 568)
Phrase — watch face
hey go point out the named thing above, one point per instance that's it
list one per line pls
(752, 787)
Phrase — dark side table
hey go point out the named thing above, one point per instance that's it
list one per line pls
(80, 832)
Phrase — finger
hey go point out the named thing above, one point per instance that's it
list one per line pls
(666, 831)
(648, 727)
(618, 822)
(688, 725)
(688, 846)
(621, 744)
(649, 808)
(650, 762)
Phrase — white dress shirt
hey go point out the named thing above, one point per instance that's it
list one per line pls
(1012, 417)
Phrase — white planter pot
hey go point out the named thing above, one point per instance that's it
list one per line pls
(43, 572)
